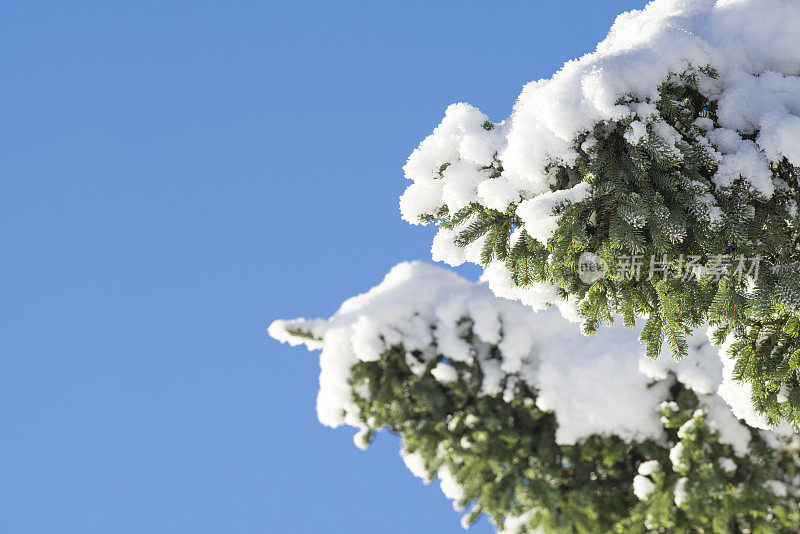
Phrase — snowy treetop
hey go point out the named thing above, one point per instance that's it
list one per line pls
(602, 385)
(677, 140)
(753, 45)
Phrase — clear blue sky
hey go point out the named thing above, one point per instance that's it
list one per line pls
(174, 176)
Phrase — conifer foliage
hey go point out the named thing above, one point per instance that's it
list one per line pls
(449, 367)
(648, 190)
(695, 251)
(680, 185)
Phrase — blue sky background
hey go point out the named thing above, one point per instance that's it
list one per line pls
(174, 176)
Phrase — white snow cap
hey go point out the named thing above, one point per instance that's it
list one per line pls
(680, 491)
(739, 395)
(754, 45)
(642, 486)
(450, 487)
(595, 385)
(415, 463)
(649, 467)
(601, 385)
(421, 305)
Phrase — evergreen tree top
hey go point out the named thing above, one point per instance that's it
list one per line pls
(669, 158)
(522, 417)
(649, 191)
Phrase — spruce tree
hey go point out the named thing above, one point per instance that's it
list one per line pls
(657, 208)
(446, 365)
(647, 189)
(681, 183)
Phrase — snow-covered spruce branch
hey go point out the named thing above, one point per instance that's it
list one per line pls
(523, 418)
(670, 155)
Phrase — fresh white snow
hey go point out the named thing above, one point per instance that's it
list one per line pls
(595, 385)
(754, 45)
(642, 486)
(598, 385)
